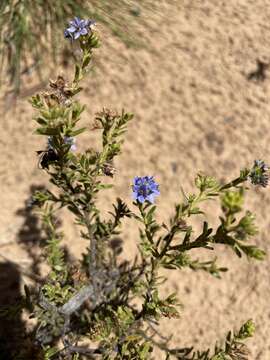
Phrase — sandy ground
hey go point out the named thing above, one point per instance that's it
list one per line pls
(195, 111)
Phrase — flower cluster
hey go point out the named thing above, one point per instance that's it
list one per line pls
(145, 189)
(78, 27)
(259, 173)
(71, 141)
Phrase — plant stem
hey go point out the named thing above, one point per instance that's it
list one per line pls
(93, 250)
(233, 183)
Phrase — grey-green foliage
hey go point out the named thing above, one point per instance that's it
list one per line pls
(95, 302)
(233, 348)
(31, 28)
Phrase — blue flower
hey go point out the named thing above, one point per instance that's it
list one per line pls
(145, 189)
(78, 27)
(259, 173)
(71, 141)
(67, 140)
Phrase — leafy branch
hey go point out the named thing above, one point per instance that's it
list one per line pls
(107, 303)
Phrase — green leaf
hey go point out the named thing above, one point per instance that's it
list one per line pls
(253, 251)
(104, 186)
(232, 201)
(58, 267)
(50, 352)
(41, 121)
(47, 131)
(86, 60)
(77, 76)
(237, 251)
(247, 330)
(74, 210)
(77, 132)
(151, 212)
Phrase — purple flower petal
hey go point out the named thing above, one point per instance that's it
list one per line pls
(86, 22)
(145, 189)
(151, 198)
(83, 32)
(77, 21)
(141, 199)
(77, 35)
(78, 27)
(71, 29)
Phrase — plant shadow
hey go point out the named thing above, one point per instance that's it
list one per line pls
(12, 327)
(14, 333)
(30, 235)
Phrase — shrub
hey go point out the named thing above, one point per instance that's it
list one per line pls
(88, 310)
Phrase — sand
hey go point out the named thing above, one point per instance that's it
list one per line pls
(195, 110)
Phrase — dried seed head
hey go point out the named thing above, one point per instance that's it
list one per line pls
(108, 169)
(240, 352)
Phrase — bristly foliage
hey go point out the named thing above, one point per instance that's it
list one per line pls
(94, 303)
(233, 349)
